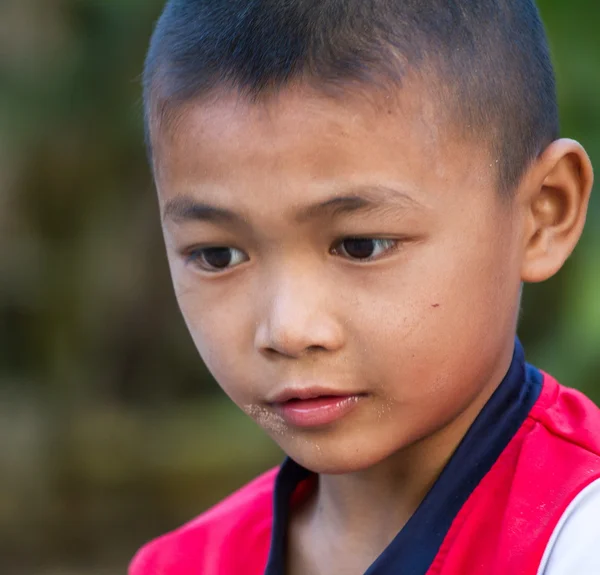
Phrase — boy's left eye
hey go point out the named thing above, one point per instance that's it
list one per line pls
(364, 249)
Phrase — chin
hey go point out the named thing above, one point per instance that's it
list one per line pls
(331, 459)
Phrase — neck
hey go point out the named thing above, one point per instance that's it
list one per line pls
(371, 506)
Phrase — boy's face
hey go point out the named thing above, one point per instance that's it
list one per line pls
(362, 251)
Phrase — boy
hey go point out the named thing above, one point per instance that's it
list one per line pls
(352, 193)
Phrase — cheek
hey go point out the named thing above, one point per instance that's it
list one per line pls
(221, 333)
(476, 273)
(448, 311)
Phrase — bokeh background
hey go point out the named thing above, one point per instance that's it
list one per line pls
(111, 430)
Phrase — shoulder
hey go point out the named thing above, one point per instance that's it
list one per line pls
(241, 517)
(575, 543)
(568, 416)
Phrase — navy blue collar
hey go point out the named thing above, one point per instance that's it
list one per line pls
(415, 547)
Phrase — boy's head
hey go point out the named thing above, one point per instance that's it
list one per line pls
(485, 62)
(352, 193)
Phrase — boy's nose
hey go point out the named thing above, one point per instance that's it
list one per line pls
(297, 318)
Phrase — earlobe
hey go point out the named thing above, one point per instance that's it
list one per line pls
(558, 189)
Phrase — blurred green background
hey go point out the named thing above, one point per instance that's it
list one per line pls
(111, 430)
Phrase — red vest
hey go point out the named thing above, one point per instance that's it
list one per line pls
(502, 528)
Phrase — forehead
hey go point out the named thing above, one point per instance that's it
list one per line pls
(300, 139)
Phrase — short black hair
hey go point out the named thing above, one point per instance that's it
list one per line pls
(490, 58)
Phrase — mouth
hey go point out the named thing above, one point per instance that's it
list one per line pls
(313, 407)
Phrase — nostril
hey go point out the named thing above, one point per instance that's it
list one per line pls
(315, 348)
(274, 351)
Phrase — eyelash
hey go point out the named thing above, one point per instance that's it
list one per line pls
(195, 256)
(392, 245)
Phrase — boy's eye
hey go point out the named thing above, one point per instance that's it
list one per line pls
(216, 259)
(364, 248)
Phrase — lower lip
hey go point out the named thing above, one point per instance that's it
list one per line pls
(317, 411)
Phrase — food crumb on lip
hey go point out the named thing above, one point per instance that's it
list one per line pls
(266, 418)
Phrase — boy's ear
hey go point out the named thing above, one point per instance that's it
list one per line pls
(555, 198)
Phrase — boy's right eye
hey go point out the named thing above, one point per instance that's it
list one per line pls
(216, 259)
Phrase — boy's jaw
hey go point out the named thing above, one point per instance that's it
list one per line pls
(411, 342)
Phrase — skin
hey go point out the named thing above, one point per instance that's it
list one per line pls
(424, 330)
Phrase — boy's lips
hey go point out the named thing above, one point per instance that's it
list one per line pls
(313, 406)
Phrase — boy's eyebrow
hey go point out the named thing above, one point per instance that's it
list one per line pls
(186, 208)
(358, 199)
